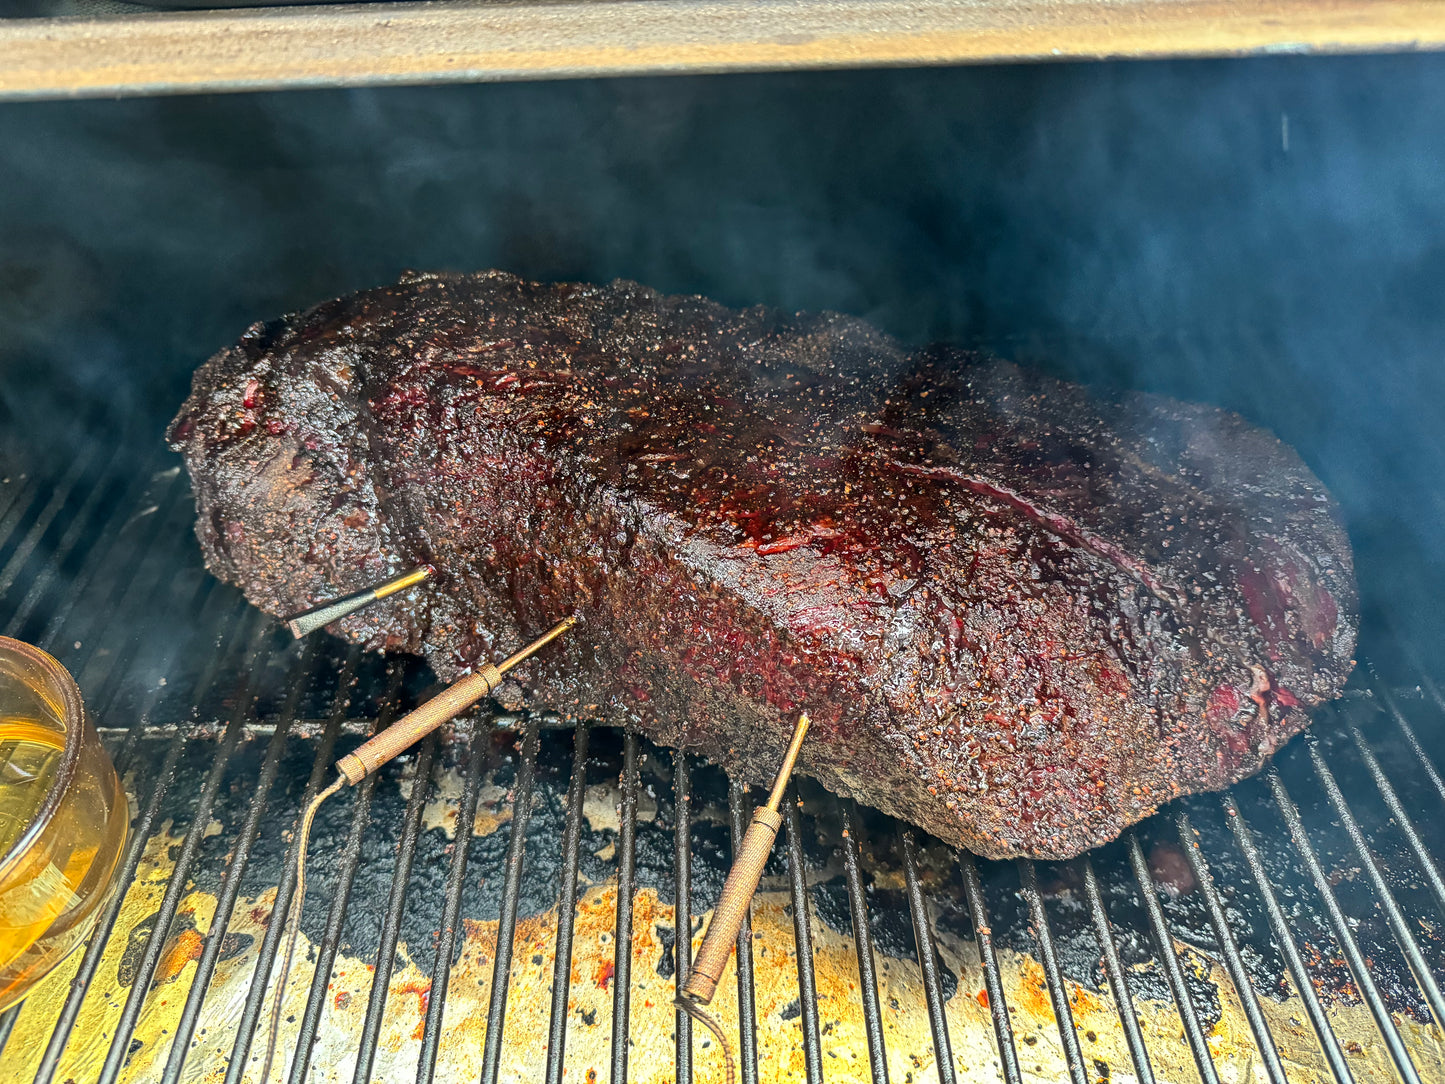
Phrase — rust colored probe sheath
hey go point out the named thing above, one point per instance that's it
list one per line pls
(447, 704)
(356, 766)
(742, 883)
(320, 616)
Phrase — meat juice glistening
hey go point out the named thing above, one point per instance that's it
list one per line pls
(1020, 616)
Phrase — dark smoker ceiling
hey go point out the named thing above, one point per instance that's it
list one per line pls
(1264, 234)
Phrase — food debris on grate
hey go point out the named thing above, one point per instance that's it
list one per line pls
(1263, 953)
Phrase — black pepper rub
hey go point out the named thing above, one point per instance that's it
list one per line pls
(1019, 617)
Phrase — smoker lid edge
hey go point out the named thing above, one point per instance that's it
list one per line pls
(152, 52)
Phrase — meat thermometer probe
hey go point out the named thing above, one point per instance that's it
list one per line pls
(371, 755)
(737, 897)
(320, 616)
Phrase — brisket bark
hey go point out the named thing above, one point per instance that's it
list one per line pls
(1020, 617)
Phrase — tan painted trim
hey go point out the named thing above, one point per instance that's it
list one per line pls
(463, 40)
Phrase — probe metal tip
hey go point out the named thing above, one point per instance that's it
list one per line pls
(317, 617)
(536, 645)
(790, 760)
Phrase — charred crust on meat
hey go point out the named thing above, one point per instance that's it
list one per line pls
(1020, 616)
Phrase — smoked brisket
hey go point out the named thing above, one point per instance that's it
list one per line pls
(1020, 616)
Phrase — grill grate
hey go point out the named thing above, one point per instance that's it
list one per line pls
(218, 720)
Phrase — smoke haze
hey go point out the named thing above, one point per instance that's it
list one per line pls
(1262, 234)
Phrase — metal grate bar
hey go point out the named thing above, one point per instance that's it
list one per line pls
(1402, 818)
(85, 528)
(23, 499)
(340, 900)
(145, 824)
(59, 496)
(1284, 938)
(124, 566)
(1233, 962)
(1193, 1032)
(82, 526)
(1049, 958)
(988, 960)
(395, 909)
(451, 911)
(1412, 656)
(738, 813)
(91, 527)
(235, 871)
(626, 883)
(204, 591)
(1343, 934)
(1425, 682)
(1426, 764)
(1104, 934)
(567, 906)
(511, 896)
(15, 487)
(7, 1023)
(682, 909)
(276, 924)
(176, 886)
(863, 941)
(341, 893)
(142, 576)
(1386, 898)
(20, 504)
(927, 962)
(105, 924)
(215, 660)
(803, 940)
(84, 576)
(100, 935)
(204, 598)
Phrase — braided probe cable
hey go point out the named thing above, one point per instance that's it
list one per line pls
(707, 1020)
(737, 896)
(367, 759)
(294, 920)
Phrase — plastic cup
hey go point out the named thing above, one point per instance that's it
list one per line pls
(64, 818)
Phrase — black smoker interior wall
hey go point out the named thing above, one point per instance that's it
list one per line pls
(1264, 234)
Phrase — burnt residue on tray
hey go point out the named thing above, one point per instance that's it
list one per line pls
(891, 928)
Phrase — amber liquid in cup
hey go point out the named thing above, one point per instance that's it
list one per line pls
(63, 818)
